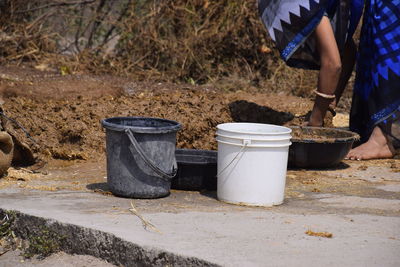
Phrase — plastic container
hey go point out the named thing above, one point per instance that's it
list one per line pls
(197, 170)
(140, 156)
(252, 163)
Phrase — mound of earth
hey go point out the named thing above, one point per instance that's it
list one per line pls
(62, 114)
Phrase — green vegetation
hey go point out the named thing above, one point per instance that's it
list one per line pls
(43, 243)
(6, 225)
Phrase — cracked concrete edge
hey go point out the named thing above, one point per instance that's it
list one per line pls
(99, 244)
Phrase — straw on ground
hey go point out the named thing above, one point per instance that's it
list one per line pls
(146, 223)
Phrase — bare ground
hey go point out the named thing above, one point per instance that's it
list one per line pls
(63, 113)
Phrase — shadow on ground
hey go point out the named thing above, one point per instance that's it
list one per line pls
(340, 166)
(98, 187)
(245, 111)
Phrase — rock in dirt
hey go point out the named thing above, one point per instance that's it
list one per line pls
(23, 152)
(6, 152)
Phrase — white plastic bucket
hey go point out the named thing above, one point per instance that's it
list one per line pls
(252, 163)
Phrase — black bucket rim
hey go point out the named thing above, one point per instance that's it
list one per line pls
(192, 156)
(173, 127)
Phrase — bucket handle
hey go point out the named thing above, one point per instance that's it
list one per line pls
(163, 175)
(245, 144)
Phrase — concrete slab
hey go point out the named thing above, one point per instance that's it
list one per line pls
(60, 259)
(358, 203)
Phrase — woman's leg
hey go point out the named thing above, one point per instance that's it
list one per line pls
(330, 70)
(378, 146)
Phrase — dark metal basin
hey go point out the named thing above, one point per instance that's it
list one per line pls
(317, 147)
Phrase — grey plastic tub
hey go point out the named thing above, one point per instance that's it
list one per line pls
(140, 156)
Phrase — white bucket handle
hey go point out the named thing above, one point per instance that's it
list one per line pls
(246, 142)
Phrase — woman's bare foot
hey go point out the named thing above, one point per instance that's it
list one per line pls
(378, 146)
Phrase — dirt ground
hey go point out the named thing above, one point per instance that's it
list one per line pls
(62, 113)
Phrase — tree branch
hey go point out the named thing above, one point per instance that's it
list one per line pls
(57, 4)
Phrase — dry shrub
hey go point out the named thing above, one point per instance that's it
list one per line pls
(23, 37)
(196, 41)
(193, 40)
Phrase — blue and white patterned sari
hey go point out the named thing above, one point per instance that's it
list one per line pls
(376, 97)
(290, 24)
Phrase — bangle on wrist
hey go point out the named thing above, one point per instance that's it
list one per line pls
(324, 95)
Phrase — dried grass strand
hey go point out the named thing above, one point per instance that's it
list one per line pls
(146, 224)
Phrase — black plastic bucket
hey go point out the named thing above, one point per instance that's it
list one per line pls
(140, 156)
(197, 170)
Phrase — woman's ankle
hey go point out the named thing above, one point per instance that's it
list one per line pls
(381, 138)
